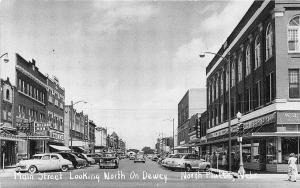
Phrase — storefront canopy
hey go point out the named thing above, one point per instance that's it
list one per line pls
(60, 148)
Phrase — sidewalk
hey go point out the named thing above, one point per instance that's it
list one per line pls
(252, 174)
(8, 172)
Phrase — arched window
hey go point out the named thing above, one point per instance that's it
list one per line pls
(293, 34)
(248, 61)
(217, 87)
(7, 95)
(227, 78)
(240, 68)
(269, 41)
(257, 52)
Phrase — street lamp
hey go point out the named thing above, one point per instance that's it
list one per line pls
(72, 107)
(173, 134)
(240, 140)
(202, 55)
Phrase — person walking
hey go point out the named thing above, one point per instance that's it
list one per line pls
(292, 168)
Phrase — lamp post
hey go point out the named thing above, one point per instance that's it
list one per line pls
(173, 133)
(240, 140)
(73, 118)
(202, 55)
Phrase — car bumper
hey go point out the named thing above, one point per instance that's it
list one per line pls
(110, 164)
(21, 169)
(140, 160)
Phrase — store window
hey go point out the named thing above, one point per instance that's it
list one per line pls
(271, 151)
(289, 145)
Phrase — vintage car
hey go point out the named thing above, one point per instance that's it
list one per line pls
(131, 157)
(95, 156)
(48, 162)
(166, 159)
(90, 160)
(188, 162)
(139, 158)
(109, 160)
(76, 161)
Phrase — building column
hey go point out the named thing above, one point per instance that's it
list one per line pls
(279, 152)
(252, 151)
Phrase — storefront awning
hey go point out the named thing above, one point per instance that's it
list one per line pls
(274, 134)
(11, 139)
(60, 148)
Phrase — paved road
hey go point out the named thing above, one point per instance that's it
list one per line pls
(130, 174)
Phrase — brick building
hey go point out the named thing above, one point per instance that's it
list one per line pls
(55, 113)
(92, 127)
(261, 67)
(30, 107)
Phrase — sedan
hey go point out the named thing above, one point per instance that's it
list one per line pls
(90, 160)
(95, 156)
(140, 158)
(48, 162)
(76, 161)
(109, 160)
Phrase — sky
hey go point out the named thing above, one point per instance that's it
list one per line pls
(132, 61)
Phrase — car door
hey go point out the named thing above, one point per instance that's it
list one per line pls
(55, 162)
(44, 163)
(194, 160)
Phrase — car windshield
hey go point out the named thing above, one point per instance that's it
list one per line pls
(109, 155)
(37, 157)
(177, 156)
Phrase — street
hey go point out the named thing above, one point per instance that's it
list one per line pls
(130, 174)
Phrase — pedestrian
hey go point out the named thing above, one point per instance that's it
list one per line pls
(224, 161)
(214, 160)
(292, 168)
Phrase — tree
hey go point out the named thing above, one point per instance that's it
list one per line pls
(148, 150)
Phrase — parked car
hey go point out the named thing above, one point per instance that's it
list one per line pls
(188, 162)
(164, 159)
(76, 161)
(139, 158)
(155, 158)
(47, 162)
(167, 161)
(109, 160)
(131, 157)
(95, 156)
(91, 161)
(81, 156)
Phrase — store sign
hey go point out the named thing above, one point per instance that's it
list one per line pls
(288, 118)
(56, 135)
(8, 136)
(264, 120)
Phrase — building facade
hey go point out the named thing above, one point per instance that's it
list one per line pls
(100, 139)
(192, 103)
(30, 108)
(55, 112)
(92, 140)
(8, 131)
(261, 69)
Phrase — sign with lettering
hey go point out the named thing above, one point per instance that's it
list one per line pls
(56, 135)
(288, 118)
(264, 120)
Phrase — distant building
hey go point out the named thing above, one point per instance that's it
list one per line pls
(100, 139)
(92, 140)
(193, 102)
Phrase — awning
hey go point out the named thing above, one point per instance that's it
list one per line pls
(12, 139)
(60, 148)
(274, 134)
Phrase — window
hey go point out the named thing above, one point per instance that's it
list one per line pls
(258, 93)
(232, 74)
(208, 95)
(27, 89)
(23, 86)
(293, 34)
(222, 113)
(20, 85)
(7, 94)
(217, 87)
(269, 41)
(240, 68)
(248, 100)
(248, 61)
(30, 90)
(294, 83)
(257, 52)
(270, 87)
(227, 79)
(221, 83)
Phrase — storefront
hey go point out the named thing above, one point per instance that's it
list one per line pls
(268, 141)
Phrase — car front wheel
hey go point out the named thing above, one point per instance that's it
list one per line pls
(64, 168)
(207, 168)
(188, 168)
(32, 169)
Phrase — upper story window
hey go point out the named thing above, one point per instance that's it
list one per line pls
(213, 90)
(221, 83)
(227, 79)
(240, 68)
(293, 35)
(232, 74)
(7, 94)
(257, 52)
(217, 87)
(269, 41)
(248, 61)
(208, 93)
(294, 91)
